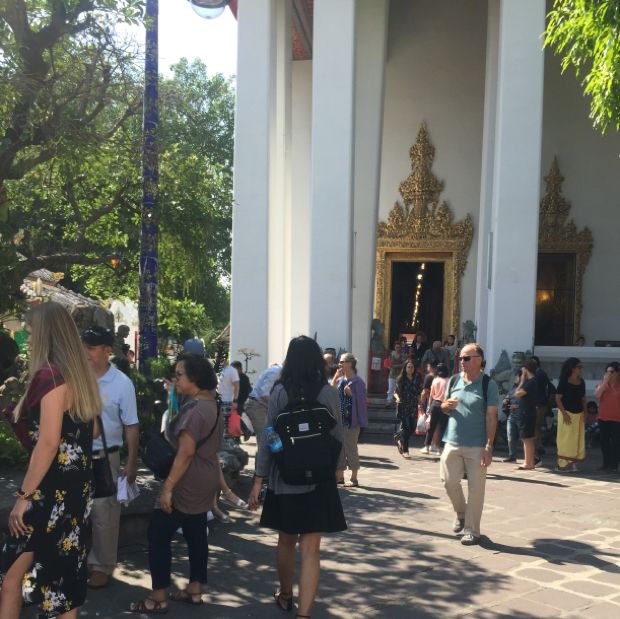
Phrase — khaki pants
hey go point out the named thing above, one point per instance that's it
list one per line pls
(257, 412)
(350, 437)
(105, 516)
(453, 464)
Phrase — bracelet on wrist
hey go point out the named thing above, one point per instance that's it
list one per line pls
(25, 496)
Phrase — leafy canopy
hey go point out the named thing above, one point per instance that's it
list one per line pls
(586, 33)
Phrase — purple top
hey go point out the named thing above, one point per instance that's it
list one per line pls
(359, 412)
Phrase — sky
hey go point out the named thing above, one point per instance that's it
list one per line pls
(183, 34)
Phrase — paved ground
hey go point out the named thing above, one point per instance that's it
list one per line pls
(551, 548)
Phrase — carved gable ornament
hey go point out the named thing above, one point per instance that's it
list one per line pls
(422, 229)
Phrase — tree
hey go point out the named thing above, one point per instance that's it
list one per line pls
(586, 33)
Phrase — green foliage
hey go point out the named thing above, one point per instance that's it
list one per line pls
(586, 33)
(73, 184)
(11, 452)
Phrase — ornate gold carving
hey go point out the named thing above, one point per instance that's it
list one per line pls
(421, 230)
(558, 234)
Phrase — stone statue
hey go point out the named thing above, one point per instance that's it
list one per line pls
(376, 337)
(119, 341)
(503, 373)
(469, 332)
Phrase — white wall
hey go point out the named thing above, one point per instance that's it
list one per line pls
(435, 73)
(590, 164)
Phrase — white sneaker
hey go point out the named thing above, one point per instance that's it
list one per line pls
(434, 450)
(425, 449)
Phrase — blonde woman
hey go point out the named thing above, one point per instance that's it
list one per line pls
(44, 558)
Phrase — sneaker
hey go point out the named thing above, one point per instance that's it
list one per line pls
(509, 459)
(406, 455)
(425, 449)
(434, 450)
(470, 540)
(459, 525)
(537, 461)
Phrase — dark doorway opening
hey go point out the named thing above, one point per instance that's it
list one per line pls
(555, 300)
(430, 309)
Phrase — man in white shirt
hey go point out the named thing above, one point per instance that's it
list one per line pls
(119, 414)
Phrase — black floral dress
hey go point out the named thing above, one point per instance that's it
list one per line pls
(58, 521)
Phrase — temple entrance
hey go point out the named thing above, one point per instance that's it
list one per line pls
(417, 294)
(555, 300)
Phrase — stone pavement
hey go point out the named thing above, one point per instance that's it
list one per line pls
(551, 548)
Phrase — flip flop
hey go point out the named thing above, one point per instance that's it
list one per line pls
(525, 468)
(352, 484)
(141, 607)
(185, 597)
(233, 502)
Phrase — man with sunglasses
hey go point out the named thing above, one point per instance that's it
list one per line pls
(119, 415)
(471, 402)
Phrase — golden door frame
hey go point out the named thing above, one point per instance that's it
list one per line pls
(557, 234)
(422, 230)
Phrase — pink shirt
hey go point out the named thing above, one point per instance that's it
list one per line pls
(438, 388)
(609, 404)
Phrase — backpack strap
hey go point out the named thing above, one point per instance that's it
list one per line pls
(486, 379)
(451, 384)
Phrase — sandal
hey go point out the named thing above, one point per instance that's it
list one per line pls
(141, 607)
(351, 484)
(230, 498)
(280, 596)
(184, 596)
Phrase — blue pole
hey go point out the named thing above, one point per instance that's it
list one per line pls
(147, 308)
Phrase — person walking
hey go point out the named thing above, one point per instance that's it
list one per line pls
(119, 415)
(397, 361)
(438, 420)
(44, 556)
(187, 493)
(471, 402)
(407, 394)
(300, 513)
(607, 393)
(354, 414)
(571, 402)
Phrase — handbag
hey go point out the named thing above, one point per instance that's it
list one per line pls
(158, 454)
(234, 423)
(421, 426)
(104, 484)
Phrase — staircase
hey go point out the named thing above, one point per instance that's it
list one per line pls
(381, 420)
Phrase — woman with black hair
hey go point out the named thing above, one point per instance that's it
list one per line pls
(300, 513)
(187, 493)
(571, 402)
(407, 394)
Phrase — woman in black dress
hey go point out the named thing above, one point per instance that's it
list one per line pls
(407, 394)
(44, 558)
(299, 513)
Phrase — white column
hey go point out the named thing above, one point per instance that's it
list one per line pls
(485, 233)
(332, 172)
(516, 178)
(371, 45)
(279, 310)
(256, 70)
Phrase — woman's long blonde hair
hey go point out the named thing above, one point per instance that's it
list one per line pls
(55, 339)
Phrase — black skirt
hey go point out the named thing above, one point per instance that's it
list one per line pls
(319, 511)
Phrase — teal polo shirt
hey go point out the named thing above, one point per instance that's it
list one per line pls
(467, 425)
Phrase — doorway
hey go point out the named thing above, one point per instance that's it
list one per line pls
(423, 281)
(555, 299)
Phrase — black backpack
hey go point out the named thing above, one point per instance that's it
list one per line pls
(310, 451)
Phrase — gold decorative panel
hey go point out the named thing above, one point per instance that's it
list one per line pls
(558, 234)
(422, 230)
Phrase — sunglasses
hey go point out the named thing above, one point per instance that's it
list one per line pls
(468, 357)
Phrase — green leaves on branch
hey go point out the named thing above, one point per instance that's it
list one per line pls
(586, 33)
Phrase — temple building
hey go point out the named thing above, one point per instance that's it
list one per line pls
(423, 163)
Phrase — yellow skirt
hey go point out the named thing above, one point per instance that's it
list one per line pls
(571, 439)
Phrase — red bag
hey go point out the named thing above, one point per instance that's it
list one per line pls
(387, 363)
(234, 423)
